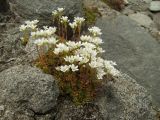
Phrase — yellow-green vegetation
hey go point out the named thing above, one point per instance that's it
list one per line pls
(90, 15)
(115, 4)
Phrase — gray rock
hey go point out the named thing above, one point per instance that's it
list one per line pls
(102, 7)
(26, 92)
(135, 51)
(4, 6)
(67, 110)
(156, 19)
(124, 99)
(127, 11)
(155, 6)
(11, 47)
(32, 50)
(147, 1)
(142, 19)
(138, 5)
(42, 9)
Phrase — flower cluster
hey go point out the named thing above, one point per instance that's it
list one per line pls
(43, 41)
(44, 36)
(95, 31)
(64, 19)
(29, 25)
(58, 11)
(26, 29)
(85, 52)
(45, 32)
(77, 62)
(66, 68)
(75, 53)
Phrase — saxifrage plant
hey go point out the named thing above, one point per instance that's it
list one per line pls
(77, 63)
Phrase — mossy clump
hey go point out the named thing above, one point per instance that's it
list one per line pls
(90, 15)
(115, 4)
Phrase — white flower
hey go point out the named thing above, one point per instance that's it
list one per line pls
(22, 27)
(88, 45)
(52, 40)
(100, 73)
(100, 50)
(40, 42)
(57, 51)
(29, 24)
(69, 59)
(61, 47)
(86, 52)
(64, 68)
(46, 32)
(50, 31)
(74, 68)
(73, 25)
(86, 38)
(73, 45)
(96, 62)
(73, 58)
(97, 40)
(79, 20)
(93, 64)
(34, 22)
(95, 31)
(84, 60)
(64, 19)
(55, 12)
(60, 9)
(109, 65)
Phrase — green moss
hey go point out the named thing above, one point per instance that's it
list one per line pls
(108, 3)
(90, 15)
(115, 4)
(105, 1)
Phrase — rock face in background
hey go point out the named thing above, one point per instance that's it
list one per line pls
(139, 10)
(134, 50)
(26, 92)
(138, 5)
(155, 6)
(4, 6)
(156, 19)
(11, 49)
(143, 20)
(42, 9)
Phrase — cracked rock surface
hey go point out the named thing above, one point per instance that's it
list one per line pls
(26, 92)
